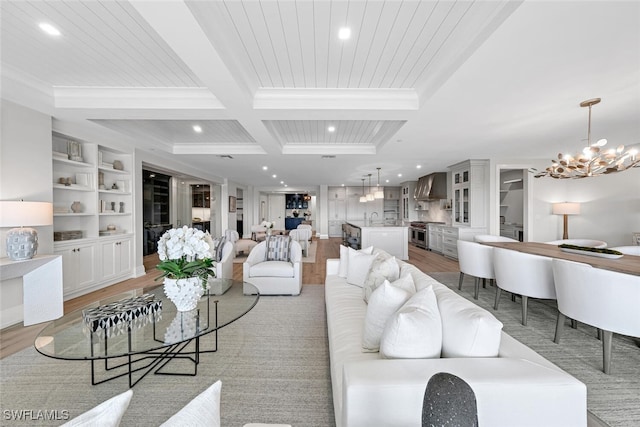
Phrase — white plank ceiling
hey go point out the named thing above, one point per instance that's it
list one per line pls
(427, 83)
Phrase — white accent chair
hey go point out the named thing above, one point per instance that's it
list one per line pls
(302, 235)
(628, 250)
(224, 271)
(483, 238)
(232, 236)
(273, 277)
(523, 274)
(579, 242)
(475, 259)
(607, 300)
(258, 232)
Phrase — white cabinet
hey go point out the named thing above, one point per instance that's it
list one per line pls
(78, 266)
(435, 237)
(337, 204)
(408, 203)
(115, 256)
(450, 242)
(470, 195)
(391, 205)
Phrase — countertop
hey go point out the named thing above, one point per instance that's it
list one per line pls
(361, 224)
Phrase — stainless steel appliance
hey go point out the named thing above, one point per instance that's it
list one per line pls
(418, 233)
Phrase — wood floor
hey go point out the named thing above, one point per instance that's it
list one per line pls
(18, 337)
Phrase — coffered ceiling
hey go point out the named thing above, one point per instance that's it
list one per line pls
(270, 83)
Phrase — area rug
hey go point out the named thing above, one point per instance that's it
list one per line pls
(311, 255)
(614, 398)
(273, 364)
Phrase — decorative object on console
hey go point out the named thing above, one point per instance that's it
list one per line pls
(566, 208)
(186, 264)
(592, 161)
(268, 225)
(74, 150)
(76, 207)
(22, 242)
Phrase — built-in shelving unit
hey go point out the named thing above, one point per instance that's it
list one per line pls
(92, 219)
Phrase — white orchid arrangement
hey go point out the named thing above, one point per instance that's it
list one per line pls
(186, 252)
(267, 224)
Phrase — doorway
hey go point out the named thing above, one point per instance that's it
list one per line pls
(513, 189)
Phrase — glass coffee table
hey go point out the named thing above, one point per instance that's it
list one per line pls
(140, 331)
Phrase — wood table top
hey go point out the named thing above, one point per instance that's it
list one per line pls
(629, 264)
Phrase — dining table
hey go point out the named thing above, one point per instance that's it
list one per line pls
(628, 264)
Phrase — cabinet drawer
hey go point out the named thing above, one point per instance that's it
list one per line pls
(450, 251)
(449, 240)
(450, 231)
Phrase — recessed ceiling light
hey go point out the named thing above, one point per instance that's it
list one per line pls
(264, 168)
(274, 176)
(49, 29)
(197, 128)
(342, 185)
(281, 182)
(418, 166)
(399, 175)
(286, 185)
(331, 128)
(344, 33)
(387, 180)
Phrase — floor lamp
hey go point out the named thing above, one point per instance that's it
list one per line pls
(566, 209)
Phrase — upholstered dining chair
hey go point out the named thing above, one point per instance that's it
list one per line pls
(475, 260)
(628, 250)
(579, 242)
(273, 269)
(258, 232)
(607, 300)
(523, 274)
(483, 238)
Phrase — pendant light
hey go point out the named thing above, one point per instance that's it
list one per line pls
(370, 197)
(379, 193)
(363, 198)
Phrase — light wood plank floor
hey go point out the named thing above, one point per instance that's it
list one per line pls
(19, 337)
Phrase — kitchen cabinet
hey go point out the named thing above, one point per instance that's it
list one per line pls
(391, 205)
(470, 193)
(115, 255)
(78, 266)
(435, 237)
(408, 203)
(292, 223)
(337, 206)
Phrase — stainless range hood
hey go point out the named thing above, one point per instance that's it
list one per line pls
(431, 187)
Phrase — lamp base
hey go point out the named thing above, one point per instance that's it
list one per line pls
(22, 243)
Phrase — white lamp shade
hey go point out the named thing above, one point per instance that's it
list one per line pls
(363, 199)
(370, 197)
(25, 214)
(566, 208)
(378, 194)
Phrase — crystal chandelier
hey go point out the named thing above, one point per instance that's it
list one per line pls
(592, 161)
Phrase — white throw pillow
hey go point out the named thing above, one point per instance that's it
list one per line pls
(107, 414)
(468, 330)
(202, 411)
(415, 330)
(384, 302)
(344, 258)
(384, 267)
(358, 267)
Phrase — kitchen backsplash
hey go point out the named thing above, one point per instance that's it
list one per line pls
(436, 212)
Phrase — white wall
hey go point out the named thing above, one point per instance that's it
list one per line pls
(25, 163)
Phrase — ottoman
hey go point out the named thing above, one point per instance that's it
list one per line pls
(244, 246)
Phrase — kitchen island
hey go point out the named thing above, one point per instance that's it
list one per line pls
(393, 239)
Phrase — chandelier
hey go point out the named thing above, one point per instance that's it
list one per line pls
(593, 160)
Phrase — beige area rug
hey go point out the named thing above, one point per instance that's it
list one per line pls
(311, 256)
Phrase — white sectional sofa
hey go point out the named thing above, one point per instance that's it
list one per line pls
(516, 387)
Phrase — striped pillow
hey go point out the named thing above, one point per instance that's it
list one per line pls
(278, 248)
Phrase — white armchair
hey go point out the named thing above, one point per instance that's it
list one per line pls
(476, 260)
(523, 274)
(302, 235)
(224, 270)
(274, 277)
(605, 299)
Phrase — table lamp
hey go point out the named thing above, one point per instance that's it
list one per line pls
(22, 242)
(566, 209)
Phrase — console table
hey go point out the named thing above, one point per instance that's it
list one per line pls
(41, 289)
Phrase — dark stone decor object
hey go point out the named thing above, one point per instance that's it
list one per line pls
(135, 311)
(449, 402)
